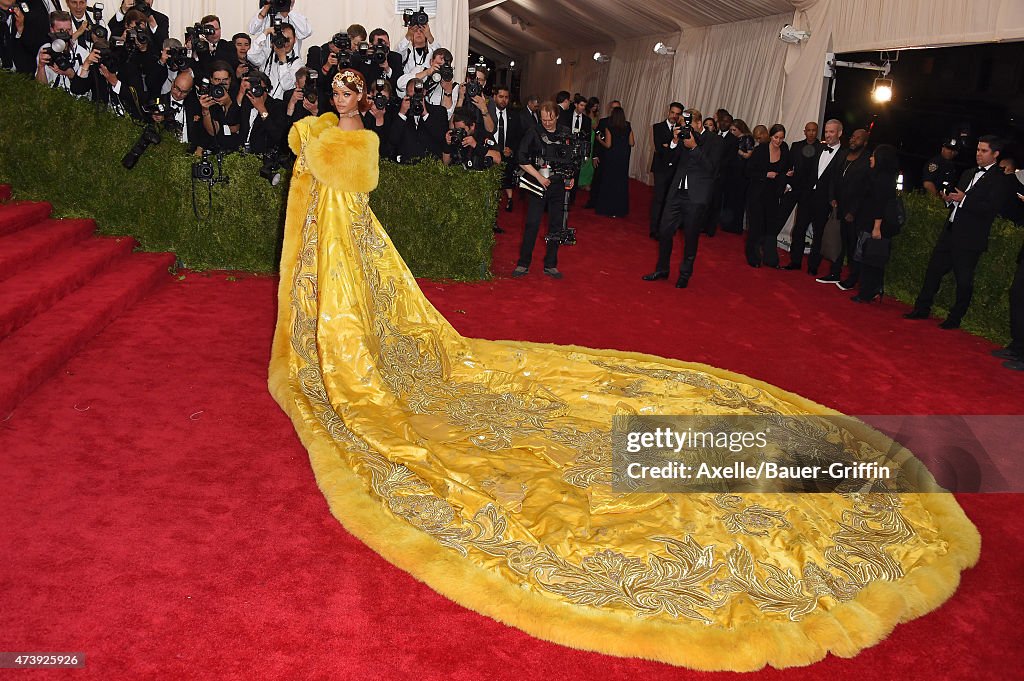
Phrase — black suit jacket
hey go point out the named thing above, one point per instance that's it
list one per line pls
(266, 133)
(697, 168)
(513, 128)
(973, 220)
(853, 185)
(159, 35)
(35, 35)
(805, 166)
(410, 142)
(661, 161)
(193, 112)
(565, 118)
(823, 189)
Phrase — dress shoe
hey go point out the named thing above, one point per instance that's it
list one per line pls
(682, 282)
(916, 314)
(949, 324)
(1007, 353)
(553, 272)
(862, 298)
(792, 266)
(828, 279)
(520, 271)
(654, 276)
(1015, 364)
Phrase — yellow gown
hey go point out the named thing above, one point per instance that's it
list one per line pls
(482, 467)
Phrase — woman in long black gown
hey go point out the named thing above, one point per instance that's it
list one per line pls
(873, 226)
(617, 140)
(766, 169)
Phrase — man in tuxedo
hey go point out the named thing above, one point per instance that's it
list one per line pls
(731, 200)
(818, 201)
(508, 132)
(262, 119)
(182, 119)
(392, 68)
(661, 164)
(213, 47)
(803, 154)
(531, 112)
(975, 202)
(418, 134)
(158, 23)
(277, 61)
(578, 122)
(697, 158)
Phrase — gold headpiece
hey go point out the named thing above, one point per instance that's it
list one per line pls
(352, 80)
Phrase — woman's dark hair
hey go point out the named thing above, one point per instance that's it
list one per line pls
(886, 159)
(778, 127)
(592, 102)
(617, 120)
(741, 125)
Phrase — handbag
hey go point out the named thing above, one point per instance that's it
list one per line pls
(832, 238)
(872, 252)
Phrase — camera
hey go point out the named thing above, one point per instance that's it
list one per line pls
(342, 42)
(445, 73)
(60, 55)
(256, 85)
(203, 169)
(277, 6)
(380, 98)
(273, 162)
(10, 11)
(205, 87)
(380, 52)
(473, 88)
(309, 90)
(411, 18)
(416, 102)
(198, 37)
(563, 153)
(177, 58)
(278, 39)
(686, 129)
(158, 107)
(142, 6)
(135, 38)
(149, 136)
(109, 58)
(96, 32)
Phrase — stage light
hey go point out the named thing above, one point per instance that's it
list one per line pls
(882, 90)
(601, 58)
(512, 64)
(558, 61)
(664, 50)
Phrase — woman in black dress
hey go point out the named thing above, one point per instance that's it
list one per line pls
(617, 140)
(873, 225)
(734, 191)
(766, 169)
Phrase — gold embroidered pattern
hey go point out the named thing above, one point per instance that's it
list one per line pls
(754, 520)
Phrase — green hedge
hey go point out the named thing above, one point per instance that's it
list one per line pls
(989, 314)
(62, 150)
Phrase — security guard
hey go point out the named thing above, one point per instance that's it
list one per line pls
(940, 171)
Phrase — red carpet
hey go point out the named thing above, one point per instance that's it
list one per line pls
(161, 516)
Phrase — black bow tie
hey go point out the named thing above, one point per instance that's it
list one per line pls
(980, 169)
(829, 149)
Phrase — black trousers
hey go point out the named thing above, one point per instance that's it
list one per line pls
(680, 213)
(553, 200)
(871, 278)
(662, 182)
(734, 203)
(1017, 308)
(713, 214)
(848, 244)
(764, 224)
(812, 211)
(945, 258)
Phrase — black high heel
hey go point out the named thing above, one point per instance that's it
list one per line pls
(867, 299)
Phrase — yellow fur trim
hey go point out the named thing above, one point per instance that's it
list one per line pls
(345, 160)
(309, 128)
(844, 630)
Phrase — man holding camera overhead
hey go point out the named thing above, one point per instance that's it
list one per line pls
(283, 13)
(420, 128)
(418, 43)
(273, 52)
(157, 23)
(210, 46)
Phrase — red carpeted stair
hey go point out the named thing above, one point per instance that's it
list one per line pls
(59, 287)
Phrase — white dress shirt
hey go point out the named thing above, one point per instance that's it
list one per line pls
(258, 27)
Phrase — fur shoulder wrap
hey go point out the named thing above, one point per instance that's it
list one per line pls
(345, 160)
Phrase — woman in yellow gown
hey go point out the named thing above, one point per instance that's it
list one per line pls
(483, 468)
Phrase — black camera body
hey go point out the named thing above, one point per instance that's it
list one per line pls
(686, 129)
(205, 87)
(564, 153)
(445, 72)
(380, 98)
(177, 58)
(342, 41)
(143, 7)
(135, 38)
(310, 90)
(197, 35)
(417, 103)
(60, 51)
(277, 6)
(148, 137)
(203, 169)
(411, 18)
(380, 52)
(256, 85)
(278, 39)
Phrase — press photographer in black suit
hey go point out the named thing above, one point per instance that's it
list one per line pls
(382, 115)
(508, 132)
(697, 154)
(975, 202)
(184, 113)
(420, 128)
(851, 192)
(262, 118)
(661, 164)
(466, 147)
(212, 47)
(534, 155)
(157, 23)
(301, 101)
(819, 201)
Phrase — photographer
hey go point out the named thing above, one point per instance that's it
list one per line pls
(302, 101)
(156, 22)
(25, 32)
(263, 118)
(536, 153)
(472, 96)
(467, 149)
(210, 46)
(392, 66)
(263, 23)
(119, 75)
(274, 57)
(508, 132)
(381, 116)
(173, 60)
(420, 128)
(87, 23)
(59, 59)
(183, 112)
(220, 114)
(417, 45)
(241, 44)
(439, 80)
